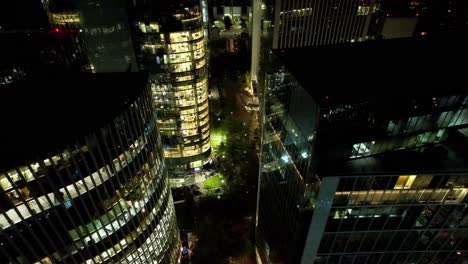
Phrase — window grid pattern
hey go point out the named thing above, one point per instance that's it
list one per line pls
(424, 221)
(407, 218)
(428, 120)
(323, 22)
(104, 198)
(286, 156)
(176, 60)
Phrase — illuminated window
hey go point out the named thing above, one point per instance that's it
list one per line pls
(405, 182)
(197, 163)
(181, 67)
(376, 7)
(199, 53)
(200, 64)
(180, 57)
(363, 11)
(65, 18)
(45, 260)
(184, 78)
(179, 36)
(197, 35)
(362, 149)
(152, 27)
(179, 47)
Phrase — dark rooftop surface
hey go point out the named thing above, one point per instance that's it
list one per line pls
(358, 72)
(22, 14)
(44, 113)
(36, 49)
(439, 158)
(386, 80)
(19, 47)
(167, 5)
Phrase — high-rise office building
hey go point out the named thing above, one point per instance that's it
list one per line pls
(364, 154)
(442, 17)
(82, 173)
(299, 23)
(103, 30)
(322, 22)
(28, 51)
(169, 41)
(170, 44)
(28, 44)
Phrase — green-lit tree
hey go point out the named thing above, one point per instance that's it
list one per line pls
(239, 166)
(223, 231)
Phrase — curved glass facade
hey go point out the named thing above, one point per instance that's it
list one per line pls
(174, 50)
(104, 198)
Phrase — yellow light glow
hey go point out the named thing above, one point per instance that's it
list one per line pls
(405, 182)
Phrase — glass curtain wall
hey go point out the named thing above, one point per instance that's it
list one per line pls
(103, 199)
(286, 157)
(418, 218)
(173, 50)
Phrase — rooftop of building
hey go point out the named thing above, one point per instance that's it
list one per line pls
(380, 81)
(167, 8)
(34, 47)
(45, 112)
(442, 158)
(381, 70)
(22, 14)
(168, 13)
